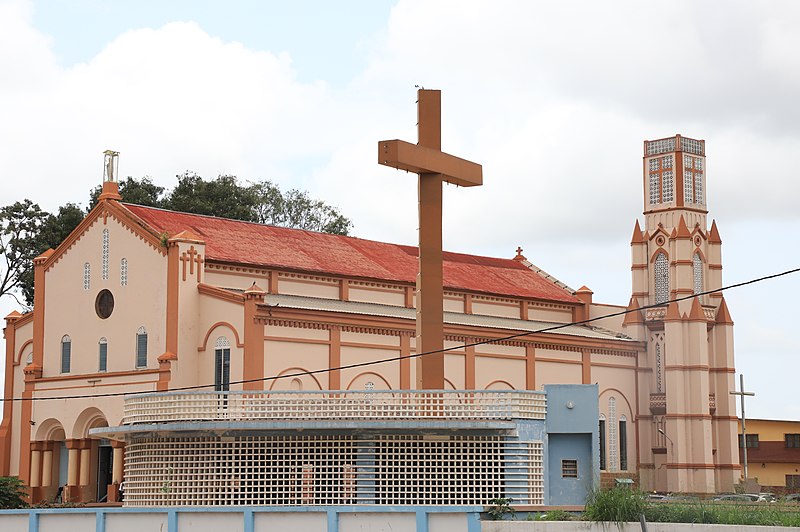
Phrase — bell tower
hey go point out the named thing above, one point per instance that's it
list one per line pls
(688, 430)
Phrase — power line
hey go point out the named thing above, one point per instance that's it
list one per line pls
(416, 355)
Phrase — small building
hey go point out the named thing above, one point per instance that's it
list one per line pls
(773, 454)
(361, 447)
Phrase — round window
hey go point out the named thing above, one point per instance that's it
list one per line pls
(104, 304)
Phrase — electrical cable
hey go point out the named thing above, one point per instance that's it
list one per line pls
(416, 355)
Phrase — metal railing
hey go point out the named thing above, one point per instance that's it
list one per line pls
(361, 405)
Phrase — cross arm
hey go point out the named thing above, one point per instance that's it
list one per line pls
(421, 160)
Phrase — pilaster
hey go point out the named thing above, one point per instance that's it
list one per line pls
(253, 364)
(10, 335)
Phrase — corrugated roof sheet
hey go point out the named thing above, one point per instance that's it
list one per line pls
(454, 318)
(269, 246)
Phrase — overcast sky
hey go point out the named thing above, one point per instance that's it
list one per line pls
(554, 99)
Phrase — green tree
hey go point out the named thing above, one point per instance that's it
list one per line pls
(26, 231)
(222, 197)
(20, 224)
(295, 208)
(139, 191)
(53, 230)
(12, 493)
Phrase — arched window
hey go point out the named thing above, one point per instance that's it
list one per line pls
(222, 364)
(87, 276)
(612, 434)
(662, 278)
(66, 353)
(296, 385)
(102, 349)
(141, 348)
(123, 272)
(623, 443)
(602, 427)
(105, 253)
(697, 264)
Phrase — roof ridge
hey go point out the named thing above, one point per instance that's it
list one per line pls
(245, 242)
(335, 235)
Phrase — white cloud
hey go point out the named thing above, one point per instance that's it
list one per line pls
(554, 99)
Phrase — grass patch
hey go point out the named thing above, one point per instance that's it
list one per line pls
(706, 512)
(619, 505)
(616, 505)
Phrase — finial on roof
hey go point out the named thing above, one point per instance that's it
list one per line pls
(110, 177)
(634, 314)
(638, 236)
(13, 316)
(255, 292)
(723, 314)
(519, 256)
(713, 236)
(696, 313)
(683, 229)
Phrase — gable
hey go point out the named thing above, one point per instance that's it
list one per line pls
(102, 212)
(103, 254)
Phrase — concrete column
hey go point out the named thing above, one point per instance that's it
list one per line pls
(47, 465)
(73, 449)
(119, 457)
(86, 460)
(36, 464)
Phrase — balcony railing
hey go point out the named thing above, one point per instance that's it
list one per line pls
(362, 405)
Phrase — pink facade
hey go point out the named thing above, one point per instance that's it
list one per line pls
(204, 301)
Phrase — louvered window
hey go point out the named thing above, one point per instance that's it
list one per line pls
(222, 364)
(102, 364)
(141, 348)
(66, 353)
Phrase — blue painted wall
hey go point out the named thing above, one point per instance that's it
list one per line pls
(572, 434)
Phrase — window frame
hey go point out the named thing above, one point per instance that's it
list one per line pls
(141, 354)
(601, 426)
(66, 354)
(102, 355)
(661, 278)
(222, 365)
(622, 434)
(569, 468)
(751, 440)
(791, 440)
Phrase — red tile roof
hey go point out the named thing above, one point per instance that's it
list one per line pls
(255, 244)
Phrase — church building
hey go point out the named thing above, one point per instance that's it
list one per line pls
(280, 365)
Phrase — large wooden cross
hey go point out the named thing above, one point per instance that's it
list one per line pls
(433, 166)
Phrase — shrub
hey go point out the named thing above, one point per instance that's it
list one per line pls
(12, 493)
(500, 509)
